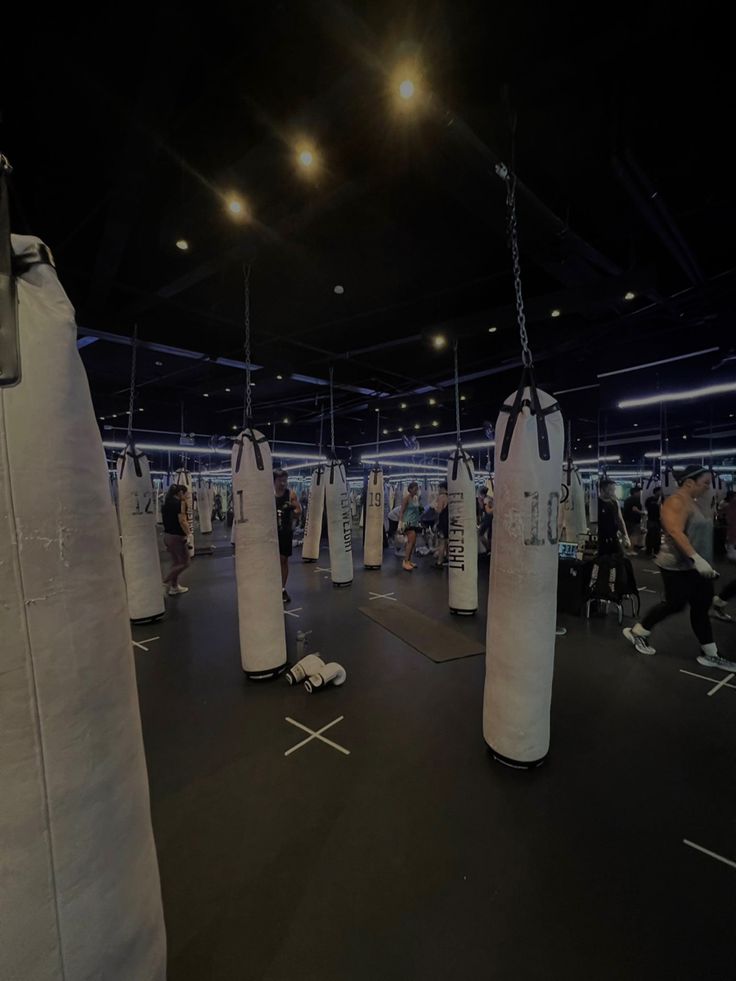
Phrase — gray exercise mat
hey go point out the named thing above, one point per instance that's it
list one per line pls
(429, 637)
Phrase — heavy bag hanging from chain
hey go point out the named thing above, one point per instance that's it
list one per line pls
(462, 542)
(79, 890)
(522, 598)
(257, 566)
(573, 520)
(373, 542)
(141, 562)
(184, 479)
(315, 514)
(204, 507)
(648, 487)
(339, 524)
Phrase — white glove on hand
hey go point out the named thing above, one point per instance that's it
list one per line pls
(704, 568)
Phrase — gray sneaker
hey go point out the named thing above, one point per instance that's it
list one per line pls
(639, 643)
(714, 661)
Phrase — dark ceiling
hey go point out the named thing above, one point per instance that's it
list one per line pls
(128, 130)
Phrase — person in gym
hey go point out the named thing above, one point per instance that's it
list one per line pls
(410, 523)
(633, 514)
(287, 509)
(443, 526)
(610, 521)
(685, 559)
(176, 532)
(654, 523)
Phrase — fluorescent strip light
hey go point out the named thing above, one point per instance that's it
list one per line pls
(597, 459)
(693, 393)
(691, 456)
(653, 364)
(429, 450)
(201, 450)
(581, 388)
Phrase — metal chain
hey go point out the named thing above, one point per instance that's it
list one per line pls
(332, 416)
(133, 359)
(321, 428)
(378, 433)
(457, 396)
(247, 400)
(513, 234)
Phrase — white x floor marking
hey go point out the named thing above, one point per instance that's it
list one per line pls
(388, 596)
(140, 643)
(720, 684)
(316, 735)
(319, 568)
(293, 613)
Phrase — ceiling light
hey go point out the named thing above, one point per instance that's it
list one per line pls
(435, 423)
(692, 393)
(101, 417)
(636, 425)
(235, 206)
(401, 429)
(416, 425)
(684, 437)
(376, 410)
(433, 401)
(463, 398)
(339, 290)
(698, 454)
(235, 427)
(492, 330)
(629, 295)
(555, 313)
(404, 405)
(439, 341)
(279, 377)
(385, 432)
(406, 89)
(205, 395)
(114, 415)
(140, 410)
(182, 245)
(285, 420)
(306, 158)
(159, 364)
(429, 450)
(227, 389)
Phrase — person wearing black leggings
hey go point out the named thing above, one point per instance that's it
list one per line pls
(721, 601)
(687, 574)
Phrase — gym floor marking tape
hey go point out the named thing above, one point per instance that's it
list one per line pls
(294, 612)
(714, 689)
(140, 643)
(705, 851)
(316, 735)
(388, 596)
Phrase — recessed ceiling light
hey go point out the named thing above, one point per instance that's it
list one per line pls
(227, 389)
(285, 420)
(235, 427)
(339, 290)
(555, 313)
(376, 410)
(401, 429)
(159, 364)
(306, 158)
(404, 405)
(205, 395)
(406, 89)
(629, 295)
(463, 398)
(140, 410)
(416, 425)
(435, 423)
(492, 330)
(114, 415)
(102, 418)
(433, 401)
(235, 206)
(439, 341)
(385, 432)
(182, 245)
(279, 377)
(684, 437)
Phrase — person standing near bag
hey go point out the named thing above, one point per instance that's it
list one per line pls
(687, 574)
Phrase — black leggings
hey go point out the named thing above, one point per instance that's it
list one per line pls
(681, 588)
(728, 592)
(654, 535)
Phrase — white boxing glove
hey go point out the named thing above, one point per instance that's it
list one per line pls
(705, 569)
(311, 664)
(331, 672)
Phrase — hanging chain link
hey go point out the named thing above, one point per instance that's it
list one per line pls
(513, 235)
(457, 395)
(321, 428)
(133, 359)
(378, 433)
(247, 396)
(332, 416)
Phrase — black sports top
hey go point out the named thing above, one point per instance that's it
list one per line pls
(170, 514)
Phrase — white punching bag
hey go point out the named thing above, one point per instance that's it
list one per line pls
(184, 479)
(315, 514)
(573, 522)
(522, 597)
(141, 562)
(462, 542)
(79, 887)
(204, 503)
(339, 524)
(257, 565)
(373, 541)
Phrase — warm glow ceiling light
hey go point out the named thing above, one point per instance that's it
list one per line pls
(555, 313)
(629, 295)
(692, 393)
(182, 245)
(492, 330)
(306, 158)
(235, 206)
(439, 341)
(433, 401)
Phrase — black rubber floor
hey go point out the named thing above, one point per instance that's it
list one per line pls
(416, 856)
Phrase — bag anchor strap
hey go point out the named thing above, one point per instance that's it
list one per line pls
(527, 381)
(250, 435)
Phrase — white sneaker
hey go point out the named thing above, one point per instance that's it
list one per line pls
(718, 613)
(639, 643)
(178, 590)
(714, 661)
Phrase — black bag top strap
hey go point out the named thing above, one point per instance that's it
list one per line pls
(131, 452)
(460, 456)
(533, 403)
(256, 439)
